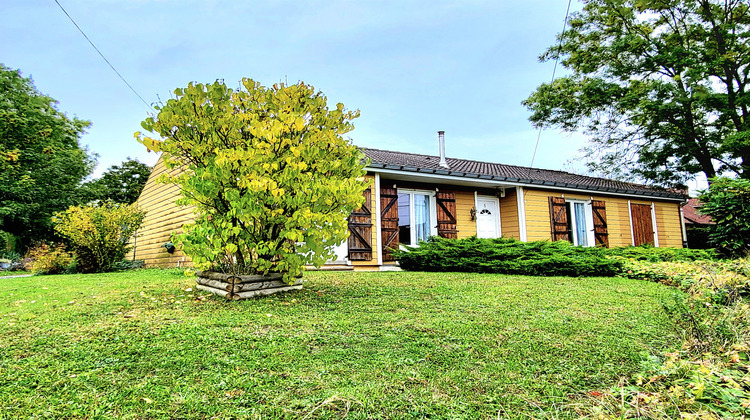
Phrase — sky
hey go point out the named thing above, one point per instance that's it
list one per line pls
(411, 67)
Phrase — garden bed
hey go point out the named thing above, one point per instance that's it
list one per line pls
(236, 287)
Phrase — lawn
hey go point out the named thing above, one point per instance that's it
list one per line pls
(146, 344)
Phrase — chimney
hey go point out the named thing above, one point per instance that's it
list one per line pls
(441, 146)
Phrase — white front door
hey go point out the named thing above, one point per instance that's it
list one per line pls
(488, 217)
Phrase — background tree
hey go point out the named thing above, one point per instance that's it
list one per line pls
(119, 184)
(268, 170)
(661, 87)
(41, 160)
(727, 201)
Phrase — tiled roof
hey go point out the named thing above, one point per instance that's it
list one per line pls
(692, 217)
(462, 168)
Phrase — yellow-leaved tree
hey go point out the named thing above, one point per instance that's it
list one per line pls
(268, 170)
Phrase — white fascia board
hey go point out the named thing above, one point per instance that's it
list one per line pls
(479, 182)
(632, 229)
(378, 236)
(521, 203)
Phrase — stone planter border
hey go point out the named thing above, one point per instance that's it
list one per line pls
(234, 287)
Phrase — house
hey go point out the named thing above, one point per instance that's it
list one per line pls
(412, 197)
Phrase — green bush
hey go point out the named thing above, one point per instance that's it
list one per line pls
(697, 237)
(653, 254)
(727, 201)
(45, 259)
(99, 234)
(508, 256)
(125, 265)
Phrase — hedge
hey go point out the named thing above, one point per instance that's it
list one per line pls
(507, 256)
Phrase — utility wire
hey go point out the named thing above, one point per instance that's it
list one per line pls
(554, 69)
(102, 55)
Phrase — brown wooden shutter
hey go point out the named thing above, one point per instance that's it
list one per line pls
(360, 231)
(388, 221)
(643, 228)
(446, 215)
(600, 223)
(558, 217)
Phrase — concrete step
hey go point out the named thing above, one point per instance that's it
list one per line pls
(331, 267)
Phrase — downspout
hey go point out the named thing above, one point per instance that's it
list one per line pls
(682, 226)
(632, 230)
(521, 214)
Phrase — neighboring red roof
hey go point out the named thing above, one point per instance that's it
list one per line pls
(411, 162)
(692, 216)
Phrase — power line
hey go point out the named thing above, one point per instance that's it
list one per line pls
(554, 69)
(102, 55)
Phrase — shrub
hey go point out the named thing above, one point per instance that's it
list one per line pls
(45, 259)
(727, 201)
(99, 234)
(13, 256)
(653, 254)
(125, 265)
(7, 243)
(718, 282)
(507, 256)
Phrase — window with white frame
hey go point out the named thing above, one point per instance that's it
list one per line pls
(581, 220)
(417, 216)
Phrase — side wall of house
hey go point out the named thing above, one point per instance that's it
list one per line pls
(464, 203)
(509, 224)
(162, 218)
(669, 226)
(669, 230)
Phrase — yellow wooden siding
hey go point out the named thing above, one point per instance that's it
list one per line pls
(668, 225)
(509, 226)
(618, 218)
(618, 222)
(464, 203)
(374, 242)
(162, 218)
(537, 214)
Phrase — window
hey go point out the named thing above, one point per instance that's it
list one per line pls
(581, 223)
(417, 218)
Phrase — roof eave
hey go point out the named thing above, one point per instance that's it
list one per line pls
(524, 182)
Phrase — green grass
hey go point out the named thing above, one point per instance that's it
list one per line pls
(145, 344)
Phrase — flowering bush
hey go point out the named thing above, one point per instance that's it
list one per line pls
(45, 259)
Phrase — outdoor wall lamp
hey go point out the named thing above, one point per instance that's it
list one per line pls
(170, 247)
